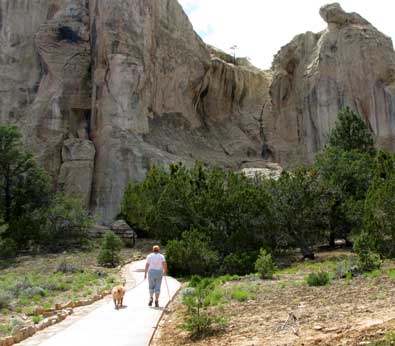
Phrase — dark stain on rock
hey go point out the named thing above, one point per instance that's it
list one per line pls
(65, 33)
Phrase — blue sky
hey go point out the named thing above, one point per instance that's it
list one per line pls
(261, 27)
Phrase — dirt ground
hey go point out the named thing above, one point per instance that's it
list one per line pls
(346, 312)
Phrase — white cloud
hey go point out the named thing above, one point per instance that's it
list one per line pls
(260, 27)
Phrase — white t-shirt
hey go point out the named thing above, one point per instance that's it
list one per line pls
(155, 261)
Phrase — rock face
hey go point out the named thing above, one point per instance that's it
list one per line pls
(76, 172)
(103, 90)
(349, 64)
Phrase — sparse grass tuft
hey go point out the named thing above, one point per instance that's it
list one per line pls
(215, 297)
(391, 273)
(318, 279)
(37, 319)
(241, 294)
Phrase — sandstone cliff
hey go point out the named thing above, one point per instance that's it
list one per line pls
(349, 64)
(103, 90)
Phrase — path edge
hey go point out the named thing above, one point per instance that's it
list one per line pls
(163, 312)
(59, 315)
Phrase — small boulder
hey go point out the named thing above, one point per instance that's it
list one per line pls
(125, 232)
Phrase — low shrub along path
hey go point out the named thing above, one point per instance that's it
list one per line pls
(133, 325)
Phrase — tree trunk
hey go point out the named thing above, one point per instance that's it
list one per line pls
(307, 253)
(332, 240)
(7, 200)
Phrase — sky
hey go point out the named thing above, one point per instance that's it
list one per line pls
(260, 28)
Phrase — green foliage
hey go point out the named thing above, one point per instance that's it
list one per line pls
(347, 174)
(240, 294)
(37, 319)
(198, 320)
(369, 261)
(24, 188)
(16, 324)
(265, 265)
(379, 222)
(391, 273)
(364, 246)
(5, 300)
(67, 224)
(231, 211)
(318, 279)
(347, 269)
(351, 133)
(140, 201)
(390, 338)
(110, 249)
(215, 297)
(300, 203)
(346, 168)
(241, 263)
(35, 217)
(8, 248)
(191, 255)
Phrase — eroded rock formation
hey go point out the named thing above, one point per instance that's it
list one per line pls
(103, 90)
(349, 64)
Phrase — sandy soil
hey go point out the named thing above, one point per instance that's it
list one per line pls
(339, 314)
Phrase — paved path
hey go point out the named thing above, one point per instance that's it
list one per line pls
(131, 326)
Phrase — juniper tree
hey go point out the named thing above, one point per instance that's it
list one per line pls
(351, 133)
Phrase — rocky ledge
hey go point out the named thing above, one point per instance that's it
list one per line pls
(103, 90)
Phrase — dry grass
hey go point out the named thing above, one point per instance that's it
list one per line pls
(32, 282)
(323, 313)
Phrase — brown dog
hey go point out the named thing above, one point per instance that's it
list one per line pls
(118, 293)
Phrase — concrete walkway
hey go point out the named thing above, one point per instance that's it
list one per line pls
(133, 325)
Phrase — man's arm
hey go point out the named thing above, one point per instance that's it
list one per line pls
(146, 270)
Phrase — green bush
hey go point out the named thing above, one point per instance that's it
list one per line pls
(347, 174)
(8, 248)
(110, 250)
(230, 210)
(67, 224)
(191, 255)
(369, 261)
(198, 320)
(347, 269)
(379, 221)
(300, 203)
(215, 297)
(25, 189)
(265, 265)
(351, 133)
(140, 201)
(5, 299)
(37, 319)
(318, 279)
(240, 294)
(240, 263)
(16, 324)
